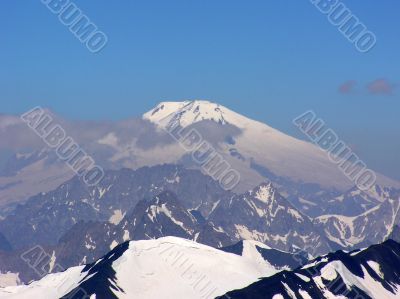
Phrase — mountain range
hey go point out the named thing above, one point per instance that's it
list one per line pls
(145, 269)
(292, 204)
(255, 150)
(77, 224)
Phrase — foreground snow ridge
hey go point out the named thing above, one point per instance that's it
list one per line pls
(168, 267)
(372, 273)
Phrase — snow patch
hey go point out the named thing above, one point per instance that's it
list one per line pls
(9, 279)
(117, 217)
(264, 193)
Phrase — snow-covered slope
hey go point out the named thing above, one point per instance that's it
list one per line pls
(265, 255)
(263, 215)
(372, 273)
(256, 150)
(167, 268)
(47, 216)
(39, 172)
(372, 226)
(172, 114)
(257, 146)
(171, 268)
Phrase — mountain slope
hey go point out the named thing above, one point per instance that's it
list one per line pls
(167, 268)
(263, 215)
(254, 149)
(44, 218)
(265, 254)
(372, 226)
(355, 202)
(164, 215)
(255, 144)
(160, 216)
(153, 218)
(369, 273)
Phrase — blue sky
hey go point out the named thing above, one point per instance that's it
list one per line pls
(269, 60)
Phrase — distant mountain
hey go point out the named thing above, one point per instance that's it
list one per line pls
(167, 268)
(263, 215)
(372, 226)
(355, 202)
(77, 224)
(372, 273)
(28, 174)
(257, 151)
(153, 218)
(47, 216)
(254, 145)
(290, 195)
(314, 201)
(166, 215)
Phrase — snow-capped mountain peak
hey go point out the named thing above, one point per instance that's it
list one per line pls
(171, 114)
